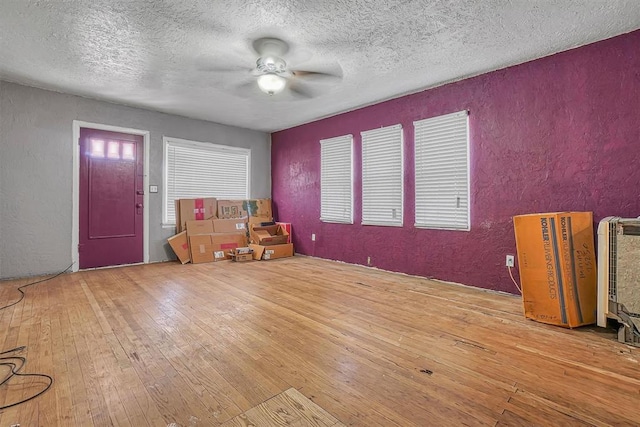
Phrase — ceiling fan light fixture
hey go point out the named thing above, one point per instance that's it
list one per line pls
(271, 84)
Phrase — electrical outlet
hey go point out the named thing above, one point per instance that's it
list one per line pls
(510, 261)
(313, 237)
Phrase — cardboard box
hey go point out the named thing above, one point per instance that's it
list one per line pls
(201, 250)
(194, 209)
(226, 241)
(241, 257)
(199, 227)
(231, 209)
(268, 235)
(180, 246)
(214, 247)
(230, 225)
(556, 259)
(271, 252)
(287, 227)
(258, 208)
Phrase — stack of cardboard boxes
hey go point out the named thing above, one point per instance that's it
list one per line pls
(210, 230)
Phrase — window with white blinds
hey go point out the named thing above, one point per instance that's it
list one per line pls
(382, 174)
(442, 172)
(336, 179)
(197, 169)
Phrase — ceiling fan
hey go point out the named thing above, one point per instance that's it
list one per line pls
(275, 77)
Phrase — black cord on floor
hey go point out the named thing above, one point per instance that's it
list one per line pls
(11, 362)
(20, 289)
(15, 363)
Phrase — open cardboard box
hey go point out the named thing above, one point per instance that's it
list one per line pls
(268, 235)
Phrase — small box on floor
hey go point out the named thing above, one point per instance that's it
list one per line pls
(241, 254)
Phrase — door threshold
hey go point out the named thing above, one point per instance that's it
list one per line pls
(111, 266)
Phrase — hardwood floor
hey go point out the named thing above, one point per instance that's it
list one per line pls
(198, 345)
(289, 408)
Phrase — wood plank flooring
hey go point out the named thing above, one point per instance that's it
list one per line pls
(199, 345)
(289, 408)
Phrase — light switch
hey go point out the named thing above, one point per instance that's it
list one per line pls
(153, 189)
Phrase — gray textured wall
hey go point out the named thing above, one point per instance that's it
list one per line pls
(36, 171)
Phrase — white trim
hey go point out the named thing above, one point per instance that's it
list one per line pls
(75, 217)
(417, 123)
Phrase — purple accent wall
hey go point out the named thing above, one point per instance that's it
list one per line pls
(558, 133)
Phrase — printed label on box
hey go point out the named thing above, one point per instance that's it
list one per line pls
(240, 226)
(267, 256)
(269, 251)
(218, 254)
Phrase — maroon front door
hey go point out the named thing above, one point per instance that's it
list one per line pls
(111, 195)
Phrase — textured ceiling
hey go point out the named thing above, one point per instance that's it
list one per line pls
(165, 55)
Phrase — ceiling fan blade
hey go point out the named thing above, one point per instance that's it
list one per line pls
(247, 90)
(318, 76)
(224, 69)
(223, 63)
(300, 92)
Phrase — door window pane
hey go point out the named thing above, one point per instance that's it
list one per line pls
(97, 148)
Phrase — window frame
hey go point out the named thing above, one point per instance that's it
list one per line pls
(363, 135)
(167, 141)
(348, 139)
(465, 114)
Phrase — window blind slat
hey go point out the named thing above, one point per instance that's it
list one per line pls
(441, 172)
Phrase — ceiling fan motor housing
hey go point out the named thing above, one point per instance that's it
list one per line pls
(271, 64)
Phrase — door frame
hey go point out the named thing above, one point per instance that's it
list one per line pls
(75, 226)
